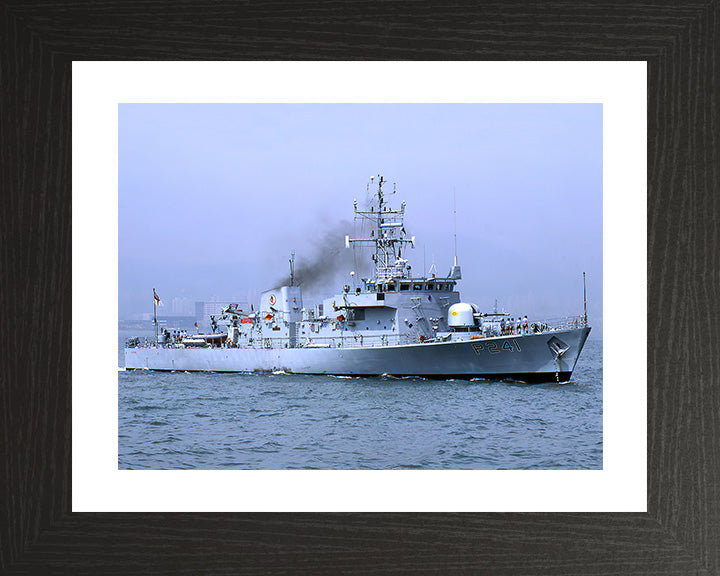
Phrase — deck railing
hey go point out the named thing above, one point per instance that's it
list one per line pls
(345, 341)
(365, 341)
(537, 326)
(568, 323)
(358, 341)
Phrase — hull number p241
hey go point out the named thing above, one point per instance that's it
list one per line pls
(495, 347)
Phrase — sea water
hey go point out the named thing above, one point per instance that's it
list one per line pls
(218, 421)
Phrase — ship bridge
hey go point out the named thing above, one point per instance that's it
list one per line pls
(410, 285)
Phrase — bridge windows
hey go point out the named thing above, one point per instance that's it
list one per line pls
(432, 286)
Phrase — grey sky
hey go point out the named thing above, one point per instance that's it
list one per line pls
(212, 198)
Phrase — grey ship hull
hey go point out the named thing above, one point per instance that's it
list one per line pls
(530, 358)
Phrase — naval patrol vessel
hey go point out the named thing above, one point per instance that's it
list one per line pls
(391, 323)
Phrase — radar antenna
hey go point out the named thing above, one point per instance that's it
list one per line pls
(387, 235)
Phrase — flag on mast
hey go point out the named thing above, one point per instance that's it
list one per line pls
(157, 298)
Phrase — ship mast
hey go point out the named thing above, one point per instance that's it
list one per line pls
(292, 268)
(584, 302)
(387, 235)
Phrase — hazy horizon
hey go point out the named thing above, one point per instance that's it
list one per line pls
(212, 198)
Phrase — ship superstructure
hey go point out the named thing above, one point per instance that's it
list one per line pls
(389, 323)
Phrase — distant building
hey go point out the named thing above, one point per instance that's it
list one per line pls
(181, 307)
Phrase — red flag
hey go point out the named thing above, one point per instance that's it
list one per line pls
(157, 298)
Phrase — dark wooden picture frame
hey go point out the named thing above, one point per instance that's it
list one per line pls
(680, 533)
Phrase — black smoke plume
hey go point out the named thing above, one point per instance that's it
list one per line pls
(322, 265)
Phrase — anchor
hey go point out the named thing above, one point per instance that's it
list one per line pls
(558, 356)
(558, 347)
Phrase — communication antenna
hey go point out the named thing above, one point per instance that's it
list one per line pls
(424, 268)
(455, 223)
(292, 268)
(433, 270)
(584, 300)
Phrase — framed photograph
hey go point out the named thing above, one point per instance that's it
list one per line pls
(419, 322)
(59, 267)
